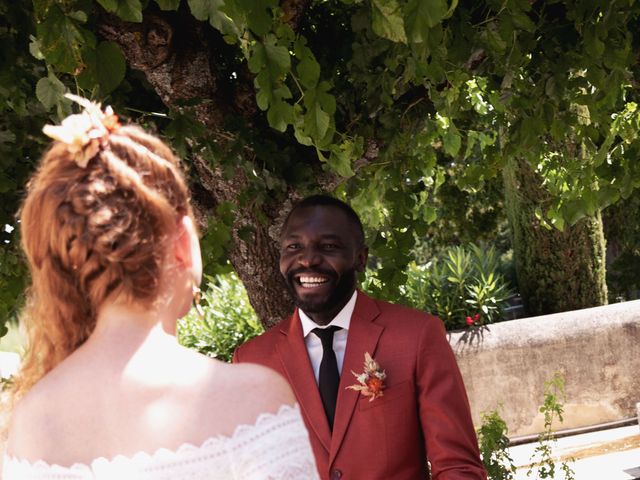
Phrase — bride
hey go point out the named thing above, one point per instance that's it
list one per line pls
(105, 390)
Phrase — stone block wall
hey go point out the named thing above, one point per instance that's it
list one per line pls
(597, 350)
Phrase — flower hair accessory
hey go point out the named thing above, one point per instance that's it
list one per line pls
(371, 381)
(86, 132)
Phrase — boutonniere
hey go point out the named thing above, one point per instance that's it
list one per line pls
(371, 381)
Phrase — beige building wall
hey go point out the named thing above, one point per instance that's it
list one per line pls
(597, 350)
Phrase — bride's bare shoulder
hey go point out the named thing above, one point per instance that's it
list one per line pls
(29, 419)
(256, 385)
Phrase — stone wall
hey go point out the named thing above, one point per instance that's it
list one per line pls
(597, 350)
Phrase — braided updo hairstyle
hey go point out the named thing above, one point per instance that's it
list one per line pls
(93, 232)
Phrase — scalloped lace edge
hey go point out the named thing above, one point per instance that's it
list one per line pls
(283, 411)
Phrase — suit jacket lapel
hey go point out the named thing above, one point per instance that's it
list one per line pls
(363, 337)
(297, 366)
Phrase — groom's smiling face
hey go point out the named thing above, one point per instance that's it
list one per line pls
(321, 252)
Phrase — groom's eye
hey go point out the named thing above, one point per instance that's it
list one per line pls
(293, 246)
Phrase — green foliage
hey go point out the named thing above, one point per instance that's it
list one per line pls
(21, 114)
(128, 10)
(13, 276)
(105, 68)
(228, 319)
(552, 408)
(533, 84)
(462, 286)
(400, 92)
(494, 444)
(387, 20)
(623, 248)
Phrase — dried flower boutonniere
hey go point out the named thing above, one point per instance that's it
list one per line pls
(371, 381)
(84, 133)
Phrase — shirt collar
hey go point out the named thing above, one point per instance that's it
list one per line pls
(342, 320)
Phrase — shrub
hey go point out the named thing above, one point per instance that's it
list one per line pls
(228, 320)
(552, 407)
(462, 286)
(494, 444)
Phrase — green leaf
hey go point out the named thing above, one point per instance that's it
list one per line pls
(111, 66)
(387, 20)
(212, 10)
(78, 15)
(278, 59)
(321, 119)
(342, 156)
(50, 91)
(521, 20)
(282, 92)
(35, 49)
(308, 68)
(309, 71)
(130, 10)
(259, 18)
(320, 107)
(60, 40)
(593, 45)
(421, 15)
(183, 127)
(203, 9)
(168, 4)
(109, 5)
(429, 214)
(257, 59)
(106, 67)
(127, 10)
(451, 142)
(491, 36)
(340, 161)
(280, 115)
(326, 100)
(299, 126)
(263, 98)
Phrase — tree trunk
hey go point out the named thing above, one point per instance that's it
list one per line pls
(176, 53)
(556, 270)
(178, 56)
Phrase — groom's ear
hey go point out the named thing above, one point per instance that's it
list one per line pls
(361, 259)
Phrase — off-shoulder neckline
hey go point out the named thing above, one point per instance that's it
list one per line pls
(161, 452)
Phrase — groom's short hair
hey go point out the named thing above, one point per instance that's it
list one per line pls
(329, 201)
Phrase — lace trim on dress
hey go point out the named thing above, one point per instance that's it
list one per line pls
(276, 445)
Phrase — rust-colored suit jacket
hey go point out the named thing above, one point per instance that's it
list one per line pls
(424, 411)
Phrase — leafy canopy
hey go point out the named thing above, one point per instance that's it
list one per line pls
(401, 92)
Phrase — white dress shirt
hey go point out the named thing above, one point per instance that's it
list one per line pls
(314, 346)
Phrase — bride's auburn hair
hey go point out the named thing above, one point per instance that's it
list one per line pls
(93, 232)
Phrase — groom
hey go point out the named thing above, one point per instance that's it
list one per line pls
(411, 406)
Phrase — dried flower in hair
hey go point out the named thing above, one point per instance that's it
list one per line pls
(86, 132)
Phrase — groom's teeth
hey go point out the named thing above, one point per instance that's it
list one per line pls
(312, 281)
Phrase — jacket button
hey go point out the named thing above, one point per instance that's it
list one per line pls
(336, 474)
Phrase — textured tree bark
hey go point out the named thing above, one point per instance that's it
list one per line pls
(175, 53)
(557, 270)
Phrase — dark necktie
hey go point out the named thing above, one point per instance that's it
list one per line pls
(329, 377)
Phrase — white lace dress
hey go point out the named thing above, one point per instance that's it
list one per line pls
(275, 447)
